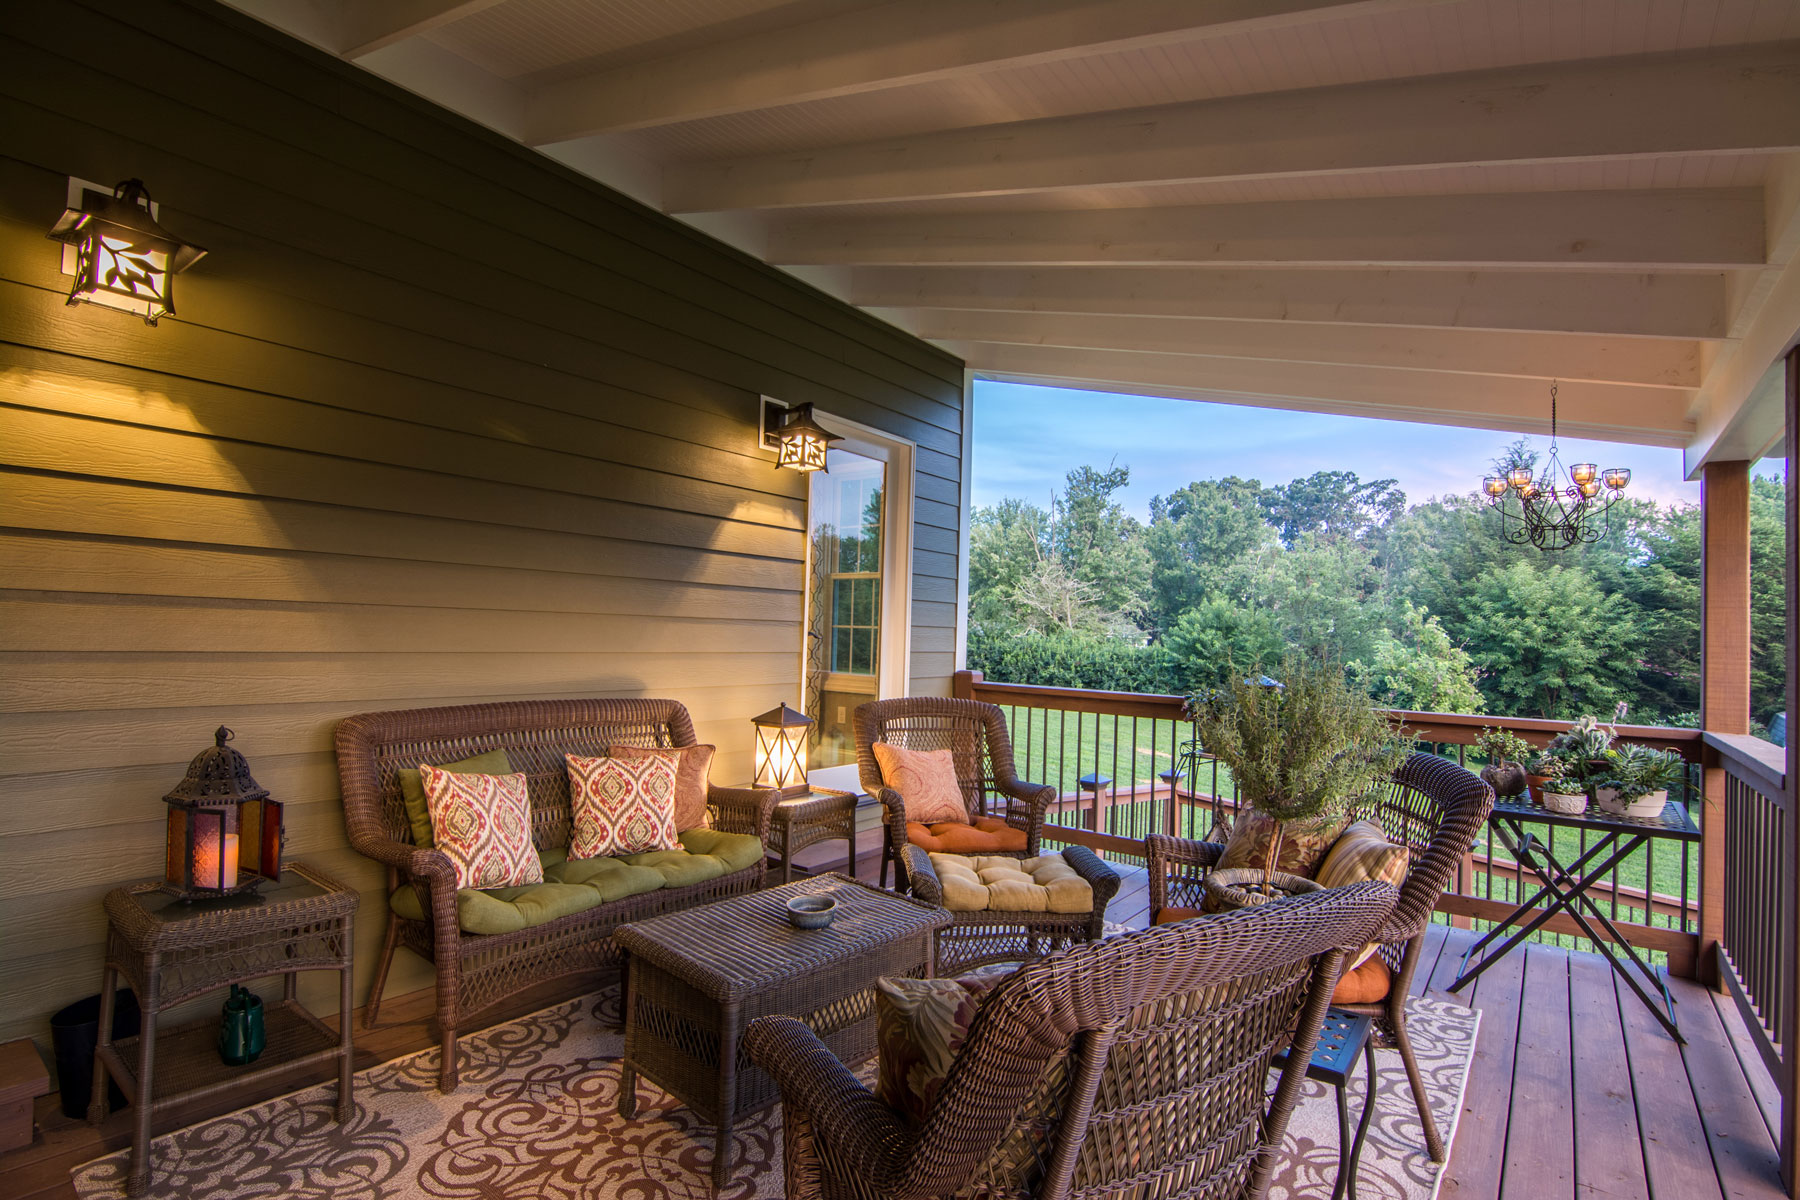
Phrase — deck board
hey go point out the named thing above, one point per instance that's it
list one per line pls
(1574, 1092)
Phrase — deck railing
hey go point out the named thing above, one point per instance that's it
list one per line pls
(1113, 758)
(1755, 927)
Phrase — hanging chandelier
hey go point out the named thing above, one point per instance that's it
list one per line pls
(1552, 514)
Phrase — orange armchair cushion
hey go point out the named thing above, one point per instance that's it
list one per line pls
(988, 835)
(1166, 916)
(1367, 984)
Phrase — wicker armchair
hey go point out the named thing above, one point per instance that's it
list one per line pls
(1133, 1066)
(975, 733)
(477, 971)
(1435, 807)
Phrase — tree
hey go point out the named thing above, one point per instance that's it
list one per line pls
(1768, 597)
(1331, 505)
(1418, 668)
(1195, 536)
(1098, 544)
(1217, 640)
(1007, 541)
(1548, 642)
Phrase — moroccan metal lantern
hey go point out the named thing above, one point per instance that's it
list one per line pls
(801, 442)
(121, 257)
(224, 833)
(781, 750)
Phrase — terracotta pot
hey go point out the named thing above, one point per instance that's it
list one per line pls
(1646, 807)
(1227, 891)
(1534, 784)
(1569, 804)
(1506, 778)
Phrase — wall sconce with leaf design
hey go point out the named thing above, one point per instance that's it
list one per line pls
(119, 255)
(799, 441)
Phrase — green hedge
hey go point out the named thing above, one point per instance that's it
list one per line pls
(1071, 660)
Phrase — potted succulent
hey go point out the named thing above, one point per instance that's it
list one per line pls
(1302, 751)
(1506, 753)
(1638, 780)
(1571, 764)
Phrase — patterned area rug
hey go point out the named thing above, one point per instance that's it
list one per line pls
(536, 1119)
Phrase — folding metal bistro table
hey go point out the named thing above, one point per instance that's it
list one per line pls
(1567, 886)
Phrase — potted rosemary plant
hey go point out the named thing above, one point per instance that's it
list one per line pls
(1302, 752)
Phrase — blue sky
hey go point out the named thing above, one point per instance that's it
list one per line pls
(1027, 438)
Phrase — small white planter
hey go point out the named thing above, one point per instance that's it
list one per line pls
(1650, 806)
(1569, 805)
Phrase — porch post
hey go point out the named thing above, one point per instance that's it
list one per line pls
(1724, 671)
(1789, 1033)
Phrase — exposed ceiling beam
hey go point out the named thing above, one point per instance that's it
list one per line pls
(1704, 228)
(371, 25)
(1743, 99)
(1648, 362)
(1678, 305)
(895, 45)
(1741, 409)
(1646, 416)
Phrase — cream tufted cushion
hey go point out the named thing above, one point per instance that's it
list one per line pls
(977, 883)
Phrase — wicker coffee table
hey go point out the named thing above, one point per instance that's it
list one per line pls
(171, 952)
(695, 979)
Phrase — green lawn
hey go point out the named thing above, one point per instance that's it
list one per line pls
(1058, 748)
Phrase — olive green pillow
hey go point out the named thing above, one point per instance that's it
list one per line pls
(412, 789)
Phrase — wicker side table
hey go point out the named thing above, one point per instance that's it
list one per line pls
(818, 816)
(170, 952)
(696, 978)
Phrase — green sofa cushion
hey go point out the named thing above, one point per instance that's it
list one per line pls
(412, 789)
(575, 885)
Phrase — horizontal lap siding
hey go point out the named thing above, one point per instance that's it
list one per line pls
(438, 422)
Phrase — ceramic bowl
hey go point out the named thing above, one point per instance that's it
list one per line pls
(811, 912)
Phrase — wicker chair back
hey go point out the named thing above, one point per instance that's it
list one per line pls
(1131, 1066)
(1435, 808)
(973, 732)
(535, 735)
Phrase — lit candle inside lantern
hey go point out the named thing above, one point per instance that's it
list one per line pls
(229, 876)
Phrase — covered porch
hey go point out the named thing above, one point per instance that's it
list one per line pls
(467, 401)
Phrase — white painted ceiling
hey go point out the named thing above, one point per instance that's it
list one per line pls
(1423, 209)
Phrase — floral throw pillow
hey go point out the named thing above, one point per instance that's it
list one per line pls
(623, 805)
(694, 766)
(1303, 843)
(921, 1024)
(926, 781)
(482, 823)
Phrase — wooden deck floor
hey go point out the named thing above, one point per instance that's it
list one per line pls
(1575, 1092)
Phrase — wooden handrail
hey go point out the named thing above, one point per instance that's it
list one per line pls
(1762, 765)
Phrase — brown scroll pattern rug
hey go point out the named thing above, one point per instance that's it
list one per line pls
(536, 1118)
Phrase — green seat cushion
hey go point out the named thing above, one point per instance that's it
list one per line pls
(412, 789)
(705, 854)
(576, 885)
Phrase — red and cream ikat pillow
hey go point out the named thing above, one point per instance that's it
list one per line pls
(482, 823)
(623, 805)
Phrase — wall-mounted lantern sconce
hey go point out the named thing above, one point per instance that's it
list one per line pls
(799, 441)
(118, 254)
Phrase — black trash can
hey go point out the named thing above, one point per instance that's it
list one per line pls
(74, 1032)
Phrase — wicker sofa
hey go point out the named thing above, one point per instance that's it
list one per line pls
(477, 970)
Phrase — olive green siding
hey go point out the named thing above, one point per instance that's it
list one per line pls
(438, 421)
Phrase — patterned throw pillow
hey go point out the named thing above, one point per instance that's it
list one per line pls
(1303, 843)
(623, 805)
(482, 823)
(1362, 852)
(926, 781)
(921, 1024)
(691, 781)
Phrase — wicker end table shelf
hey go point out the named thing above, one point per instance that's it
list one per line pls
(695, 979)
(170, 952)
